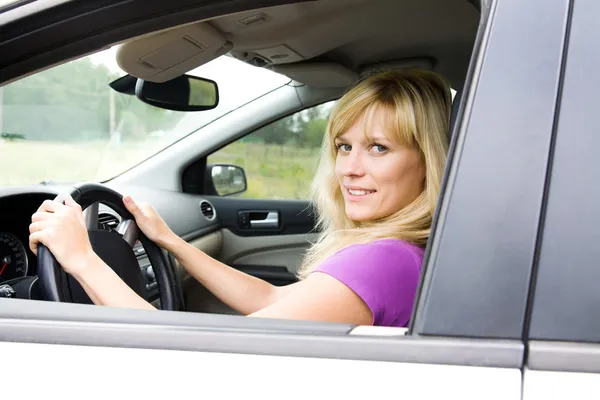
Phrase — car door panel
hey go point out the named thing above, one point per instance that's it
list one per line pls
(291, 216)
(212, 373)
(556, 385)
(274, 251)
(274, 259)
(273, 254)
(278, 251)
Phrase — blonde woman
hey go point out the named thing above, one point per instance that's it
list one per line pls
(375, 191)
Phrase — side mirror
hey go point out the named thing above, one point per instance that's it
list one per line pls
(184, 93)
(226, 179)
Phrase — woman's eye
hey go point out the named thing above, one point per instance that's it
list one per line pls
(379, 148)
(344, 147)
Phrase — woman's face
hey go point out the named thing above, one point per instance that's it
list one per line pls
(377, 175)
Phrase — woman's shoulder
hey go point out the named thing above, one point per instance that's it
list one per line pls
(375, 262)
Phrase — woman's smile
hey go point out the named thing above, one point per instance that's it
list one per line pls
(354, 193)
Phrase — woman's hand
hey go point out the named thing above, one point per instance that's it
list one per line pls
(61, 228)
(149, 221)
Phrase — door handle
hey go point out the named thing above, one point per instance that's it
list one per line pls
(270, 221)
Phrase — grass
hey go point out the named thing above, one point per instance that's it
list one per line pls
(273, 172)
(27, 162)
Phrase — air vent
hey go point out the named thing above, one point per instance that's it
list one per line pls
(107, 222)
(207, 210)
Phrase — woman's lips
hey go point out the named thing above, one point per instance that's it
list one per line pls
(355, 194)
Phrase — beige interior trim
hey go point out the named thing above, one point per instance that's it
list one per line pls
(210, 244)
(324, 74)
(166, 55)
(281, 250)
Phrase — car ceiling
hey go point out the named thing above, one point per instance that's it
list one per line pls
(346, 38)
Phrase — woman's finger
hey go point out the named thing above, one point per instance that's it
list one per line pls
(131, 206)
(42, 216)
(35, 239)
(41, 225)
(50, 206)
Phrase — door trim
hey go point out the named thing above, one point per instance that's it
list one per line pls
(563, 356)
(44, 322)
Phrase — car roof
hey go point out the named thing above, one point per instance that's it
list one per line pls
(319, 43)
(322, 43)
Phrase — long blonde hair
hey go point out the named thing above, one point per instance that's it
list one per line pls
(417, 103)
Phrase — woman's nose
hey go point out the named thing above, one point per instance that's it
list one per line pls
(353, 164)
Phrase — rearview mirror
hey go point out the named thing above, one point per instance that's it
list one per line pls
(184, 93)
(227, 179)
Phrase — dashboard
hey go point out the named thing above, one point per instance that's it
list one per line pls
(16, 259)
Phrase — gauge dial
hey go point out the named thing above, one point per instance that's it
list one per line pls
(13, 258)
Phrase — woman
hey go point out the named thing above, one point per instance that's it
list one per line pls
(375, 190)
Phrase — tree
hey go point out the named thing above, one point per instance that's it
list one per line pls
(73, 102)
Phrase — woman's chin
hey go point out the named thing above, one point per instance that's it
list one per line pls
(359, 215)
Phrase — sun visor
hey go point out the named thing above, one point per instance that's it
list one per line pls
(323, 75)
(167, 55)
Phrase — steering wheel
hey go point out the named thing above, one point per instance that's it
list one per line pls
(115, 249)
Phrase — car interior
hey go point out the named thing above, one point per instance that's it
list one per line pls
(323, 47)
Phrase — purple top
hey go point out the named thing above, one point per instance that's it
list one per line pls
(384, 274)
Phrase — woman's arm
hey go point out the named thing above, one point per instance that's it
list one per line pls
(61, 228)
(320, 298)
(238, 290)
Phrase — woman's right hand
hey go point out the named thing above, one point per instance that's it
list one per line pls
(149, 221)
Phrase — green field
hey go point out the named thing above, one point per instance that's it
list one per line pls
(274, 172)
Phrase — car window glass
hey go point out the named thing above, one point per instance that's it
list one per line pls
(69, 116)
(280, 158)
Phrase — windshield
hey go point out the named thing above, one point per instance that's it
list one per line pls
(66, 124)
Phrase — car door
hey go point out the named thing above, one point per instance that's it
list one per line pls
(564, 330)
(466, 337)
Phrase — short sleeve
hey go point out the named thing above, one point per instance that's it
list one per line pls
(383, 273)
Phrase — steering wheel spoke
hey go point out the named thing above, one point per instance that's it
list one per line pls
(129, 230)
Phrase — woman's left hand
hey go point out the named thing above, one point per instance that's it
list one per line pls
(61, 228)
